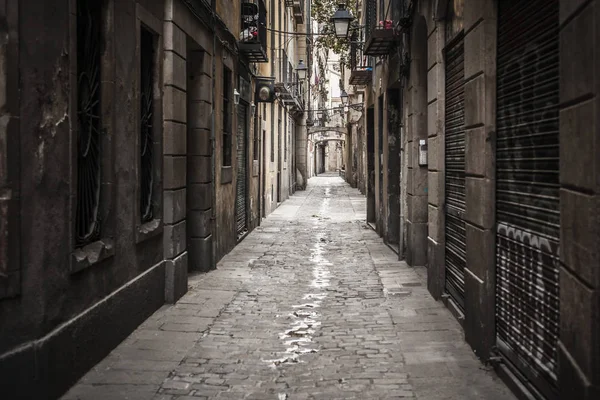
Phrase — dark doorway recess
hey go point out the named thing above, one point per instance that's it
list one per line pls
(371, 165)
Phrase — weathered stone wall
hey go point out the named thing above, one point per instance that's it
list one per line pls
(225, 176)
(229, 12)
(10, 265)
(480, 176)
(187, 147)
(579, 347)
(122, 275)
(417, 185)
(435, 158)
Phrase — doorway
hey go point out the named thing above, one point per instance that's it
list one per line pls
(394, 112)
(371, 165)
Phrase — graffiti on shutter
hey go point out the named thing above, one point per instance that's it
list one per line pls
(527, 200)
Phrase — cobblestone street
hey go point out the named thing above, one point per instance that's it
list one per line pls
(311, 305)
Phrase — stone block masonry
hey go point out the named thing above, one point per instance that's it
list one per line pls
(311, 304)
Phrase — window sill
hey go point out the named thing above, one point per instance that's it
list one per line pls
(226, 175)
(148, 230)
(92, 254)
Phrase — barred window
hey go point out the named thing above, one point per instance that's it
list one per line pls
(89, 124)
(226, 117)
(147, 70)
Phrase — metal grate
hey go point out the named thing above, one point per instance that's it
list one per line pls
(89, 171)
(240, 202)
(253, 36)
(361, 65)
(455, 257)
(381, 32)
(527, 200)
(146, 124)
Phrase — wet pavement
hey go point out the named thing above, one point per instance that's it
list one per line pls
(311, 305)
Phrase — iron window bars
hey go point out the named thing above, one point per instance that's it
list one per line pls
(146, 124)
(89, 172)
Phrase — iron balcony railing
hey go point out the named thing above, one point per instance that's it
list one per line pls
(253, 35)
(287, 83)
(361, 65)
(297, 8)
(382, 19)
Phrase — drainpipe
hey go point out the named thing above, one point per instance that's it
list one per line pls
(212, 139)
(258, 131)
(401, 255)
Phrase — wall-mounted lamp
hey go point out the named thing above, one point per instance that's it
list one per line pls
(236, 97)
(344, 97)
(341, 21)
(301, 70)
(252, 108)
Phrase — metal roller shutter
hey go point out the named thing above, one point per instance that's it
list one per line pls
(528, 220)
(455, 258)
(240, 200)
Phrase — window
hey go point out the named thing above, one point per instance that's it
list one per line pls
(226, 117)
(279, 134)
(146, 124)
(272, 135)
(255, 144)
(285, 143)
(89, 124)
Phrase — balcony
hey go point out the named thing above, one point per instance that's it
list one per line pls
(298, 9)
(381, 33)
(288, 87)
(253, 35)
(361, 65)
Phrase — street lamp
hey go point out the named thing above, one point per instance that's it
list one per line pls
(344, 97)
(341, 20)
(301, 70)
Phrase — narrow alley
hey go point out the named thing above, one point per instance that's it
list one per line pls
(311, 305)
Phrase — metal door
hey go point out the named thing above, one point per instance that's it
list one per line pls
(527, 191)
(241, 192)
(455, 258)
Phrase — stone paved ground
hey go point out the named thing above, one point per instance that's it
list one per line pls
(311, 305)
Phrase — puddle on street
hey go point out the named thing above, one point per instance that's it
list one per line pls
(318, 296)
(307, 305)
(299, 337)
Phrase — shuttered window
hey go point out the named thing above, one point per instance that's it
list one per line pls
(455, 254)
(241, 192)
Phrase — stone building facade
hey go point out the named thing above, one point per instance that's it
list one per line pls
(282, 122)
(132, 152)
(478, 122)
(85, 221)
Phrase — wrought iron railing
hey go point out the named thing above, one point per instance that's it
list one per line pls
(254, 22)
(287, 81)
(370, 16)
(358, 60)
(89, 117)
(382, 24)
